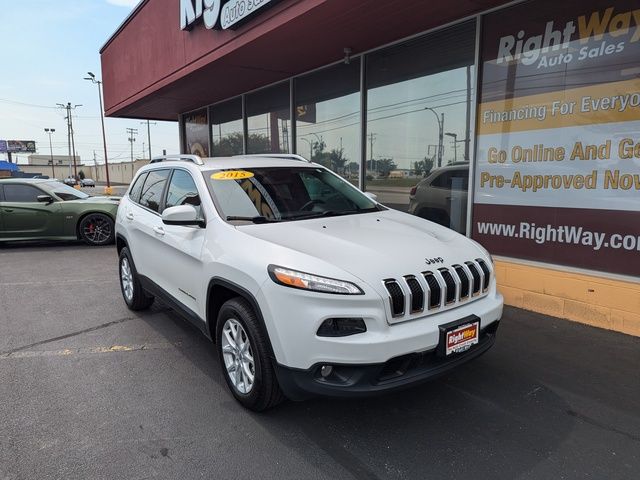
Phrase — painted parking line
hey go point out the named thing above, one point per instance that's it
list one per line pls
(65, 352)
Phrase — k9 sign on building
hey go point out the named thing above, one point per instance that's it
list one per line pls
(558, 150)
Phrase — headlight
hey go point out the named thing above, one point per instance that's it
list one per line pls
(314, 283)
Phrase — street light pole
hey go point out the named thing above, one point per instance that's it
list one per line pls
(310, 147)
(49, 132)
(93, 79)
(440, 119)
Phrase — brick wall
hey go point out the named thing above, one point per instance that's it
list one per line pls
(597, 301)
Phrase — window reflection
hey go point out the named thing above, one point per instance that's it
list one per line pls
(268, 120)
(195, 133)
(227, 136)
(328, 118)
(418, 120)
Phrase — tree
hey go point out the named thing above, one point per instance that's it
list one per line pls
(232, 144)
(81, 175)
(337, 160)
(423, 167)
(385, 166)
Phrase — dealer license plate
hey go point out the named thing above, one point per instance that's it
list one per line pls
(462, 338)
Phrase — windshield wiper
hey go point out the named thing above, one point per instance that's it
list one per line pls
(326, 213)
(256, 219)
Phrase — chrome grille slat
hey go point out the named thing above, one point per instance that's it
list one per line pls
(396, 297)
(438, 289)
(416, 296)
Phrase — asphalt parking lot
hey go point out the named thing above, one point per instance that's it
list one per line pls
(92, 390)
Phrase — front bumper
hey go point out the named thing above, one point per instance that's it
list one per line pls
(353, 380)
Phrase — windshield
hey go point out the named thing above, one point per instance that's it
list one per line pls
(64, 192)
(284, 194)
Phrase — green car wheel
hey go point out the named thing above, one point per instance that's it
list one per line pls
(97, 229)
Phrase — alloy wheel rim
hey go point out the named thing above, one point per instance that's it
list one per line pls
(97, 229)
(238, 356)
(126, 277)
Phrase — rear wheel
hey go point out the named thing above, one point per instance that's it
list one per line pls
(97, 229)
(133, 294)
(243, 351)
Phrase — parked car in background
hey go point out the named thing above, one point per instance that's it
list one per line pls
(44, 209)
(71, 181)
(87, 182)
(442, 196)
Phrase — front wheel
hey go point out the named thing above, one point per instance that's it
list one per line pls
(97, 229)
(243, 351)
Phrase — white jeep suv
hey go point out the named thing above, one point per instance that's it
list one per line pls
(306, 285)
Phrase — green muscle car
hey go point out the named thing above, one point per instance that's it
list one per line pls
(46, 209)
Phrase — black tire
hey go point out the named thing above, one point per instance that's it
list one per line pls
(138, 298)
(97, 229)
(265, 392)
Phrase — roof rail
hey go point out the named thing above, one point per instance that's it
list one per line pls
(178, 157)
(289, 156)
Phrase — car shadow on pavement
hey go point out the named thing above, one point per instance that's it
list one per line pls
(486, 419)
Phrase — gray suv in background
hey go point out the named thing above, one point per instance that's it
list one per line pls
(442, 197)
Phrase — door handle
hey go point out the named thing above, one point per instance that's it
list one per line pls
(8, 210)
(129, 216)
(158, 230)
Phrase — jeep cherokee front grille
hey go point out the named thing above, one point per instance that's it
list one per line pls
(438, 289)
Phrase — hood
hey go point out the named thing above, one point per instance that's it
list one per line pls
(371, 246)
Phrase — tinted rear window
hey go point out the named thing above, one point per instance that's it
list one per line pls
(151, 195)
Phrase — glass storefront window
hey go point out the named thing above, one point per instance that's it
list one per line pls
(328, 118)
(419, 102)
(196, 136)
(227, 135)
(268, 120)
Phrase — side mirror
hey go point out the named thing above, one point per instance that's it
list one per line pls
(48, 199)
(184, 215)
(372, 196)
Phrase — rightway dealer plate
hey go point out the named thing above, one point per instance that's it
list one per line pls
(462, 338)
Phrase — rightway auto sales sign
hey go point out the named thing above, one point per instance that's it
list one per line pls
(558, 149)
(218, 14)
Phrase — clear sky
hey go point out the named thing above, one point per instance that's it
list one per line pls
(46, 48)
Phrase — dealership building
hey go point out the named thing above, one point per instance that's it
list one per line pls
(532, 108)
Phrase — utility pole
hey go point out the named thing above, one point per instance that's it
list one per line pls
(149, 123)
(50, 132)
(132, 132)
(92, 79)
(95, 165)
(73, 147)
(372, 140)
(70, 137)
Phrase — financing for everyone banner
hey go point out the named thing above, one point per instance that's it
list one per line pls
(558, 124)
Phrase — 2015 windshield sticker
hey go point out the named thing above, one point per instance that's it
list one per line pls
(231, 175)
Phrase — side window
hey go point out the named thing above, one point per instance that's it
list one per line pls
(21, 193)
(151, 195)
(136, 189)
(182, 191)
(442, 181)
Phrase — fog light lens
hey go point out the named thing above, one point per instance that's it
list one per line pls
(326, 370)
(341, 327)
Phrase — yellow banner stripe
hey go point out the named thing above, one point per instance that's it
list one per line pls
(536, 112)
